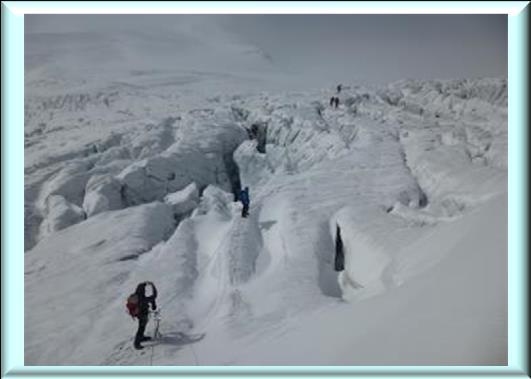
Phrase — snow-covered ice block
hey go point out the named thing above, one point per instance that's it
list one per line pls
(253, 166)
(103, 193)
(365, 258)
(154, 139)
(150, 179)
(214, 198)
(185, 200)
(114, 153)
(202, 155)
(60, 214)
(69, 182)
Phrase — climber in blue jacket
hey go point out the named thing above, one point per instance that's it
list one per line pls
(244, 198)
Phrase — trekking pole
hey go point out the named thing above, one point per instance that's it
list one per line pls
(156, 333)
(157, 318)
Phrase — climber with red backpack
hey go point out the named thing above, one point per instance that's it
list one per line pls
(138, 307)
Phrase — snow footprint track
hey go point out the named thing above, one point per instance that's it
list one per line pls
(125, 355)
(215, 273)
(213, 269)
(231, 265)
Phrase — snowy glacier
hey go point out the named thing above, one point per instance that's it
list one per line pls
(132, 174)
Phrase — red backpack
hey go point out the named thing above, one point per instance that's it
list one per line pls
(132, 305)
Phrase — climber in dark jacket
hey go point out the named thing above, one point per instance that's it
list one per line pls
(143, 305)
(244, 198)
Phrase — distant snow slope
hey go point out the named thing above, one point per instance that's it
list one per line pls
(136, 58)
(131, 175)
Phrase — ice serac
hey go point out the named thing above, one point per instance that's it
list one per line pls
(253, 166)
(69, 182)
(103, 193)
(185, 200)
(197, 156)
(215, 200)
(60, 214)
(153, 139)
(365, 257)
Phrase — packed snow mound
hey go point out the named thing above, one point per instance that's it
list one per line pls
(402, 170)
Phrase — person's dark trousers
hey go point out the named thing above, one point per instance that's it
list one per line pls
(142, 322)
(245, 210)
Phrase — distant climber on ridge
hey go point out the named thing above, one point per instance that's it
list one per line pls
(336, 102)
(339, 88)
(138, 307)
(244, 198)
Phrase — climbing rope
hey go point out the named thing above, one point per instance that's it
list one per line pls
(208, 261)
(201, 269)
(194, 354)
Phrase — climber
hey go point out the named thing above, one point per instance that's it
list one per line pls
(336, 102)
(244, 198)
(339, 88)
(138, 306)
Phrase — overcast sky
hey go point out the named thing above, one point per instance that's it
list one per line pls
(372, 48)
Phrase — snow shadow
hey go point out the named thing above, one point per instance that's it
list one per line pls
(179, 338)
(267, 224)
(325, 251)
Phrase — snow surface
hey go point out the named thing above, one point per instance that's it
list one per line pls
(131, 175)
